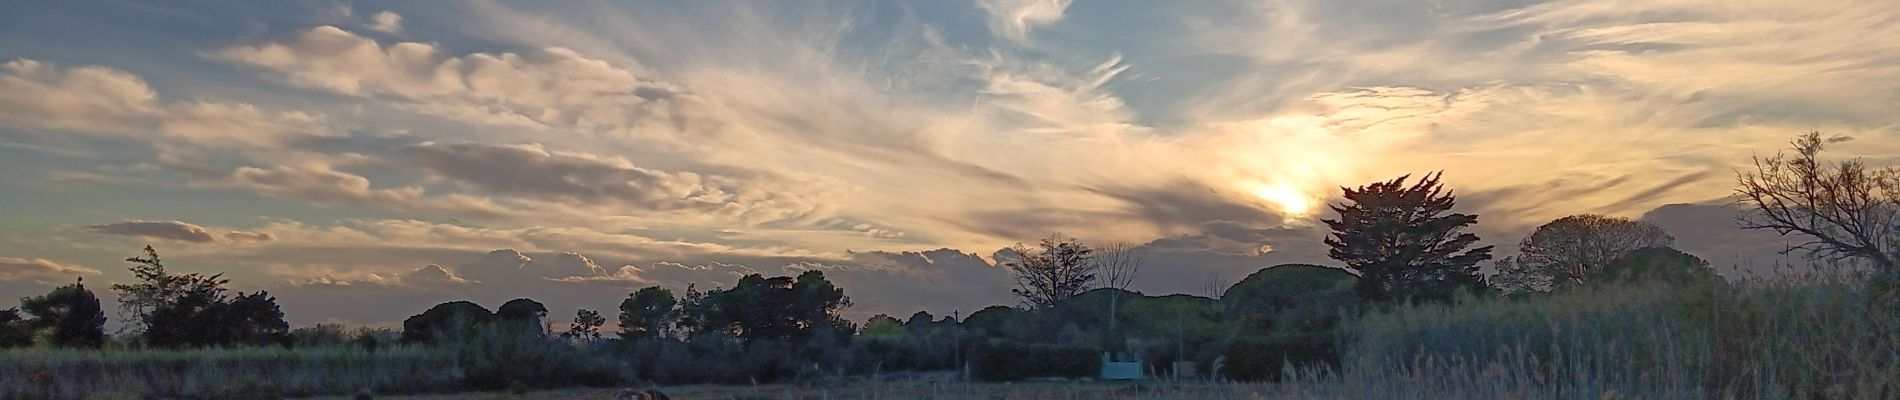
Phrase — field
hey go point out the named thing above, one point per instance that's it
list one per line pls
(1824, 337)
(911, 390)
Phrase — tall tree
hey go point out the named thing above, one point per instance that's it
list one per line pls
(1570, 250)
(1057, 269)
(1118, 264)
(1405, 242)
(647, 313)
(71, 312)
(1847, 210)
(586, 326)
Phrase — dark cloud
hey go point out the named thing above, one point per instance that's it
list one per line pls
(167, 230)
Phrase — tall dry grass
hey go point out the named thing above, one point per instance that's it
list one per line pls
(265, 372)
(1817, 336)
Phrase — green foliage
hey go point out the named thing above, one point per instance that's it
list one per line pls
(72, 315)
(1659, 265)
(1404, 243)
(1291, 298)
(648, 312)
(777, 308)
(1007, 360)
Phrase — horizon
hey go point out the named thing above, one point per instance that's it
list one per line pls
(363, 161)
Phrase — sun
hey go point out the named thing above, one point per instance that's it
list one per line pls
(1288, 199)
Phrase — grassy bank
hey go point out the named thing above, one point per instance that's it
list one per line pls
(1808, 338)
(222, 373)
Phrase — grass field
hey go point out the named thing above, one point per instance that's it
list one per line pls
(912, 390)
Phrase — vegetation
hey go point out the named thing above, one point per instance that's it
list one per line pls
(1591, 307)
(1404, 241)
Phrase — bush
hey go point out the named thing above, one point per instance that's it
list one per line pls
(1004, 360)
(1265, 359)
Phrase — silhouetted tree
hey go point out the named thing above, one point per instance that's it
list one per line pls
(1566, 251)
(648, 312)
(1057, 269)
(1847, 210)
(1404, 241)
(154, 288)
(1118, 264)
(776, 308)
(254, 319)
(586, 326)
(449, 321)
(71, 312)
(523, 315)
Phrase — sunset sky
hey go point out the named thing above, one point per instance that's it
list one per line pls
(363, 161)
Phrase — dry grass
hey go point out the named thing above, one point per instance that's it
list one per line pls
(916, 390)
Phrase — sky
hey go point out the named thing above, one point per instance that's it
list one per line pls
(363, 161)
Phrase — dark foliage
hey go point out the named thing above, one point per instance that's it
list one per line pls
(648, 312)
(1007, 360)
(71, 312)
(1265, 359)
(14, 330)
(449, 321)
(1404, 241)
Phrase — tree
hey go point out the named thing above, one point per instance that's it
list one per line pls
(154, 289)
(523, 315)
(71, 312)
(1568, 250)
(1846, 210)
(1404, 241)
(647, 313)
(586, 326)
(253, 319)
(1657, 265)
(1118, 265)
(449, 321)
(1056, 269)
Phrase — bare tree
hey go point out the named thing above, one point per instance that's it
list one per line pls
(1569, 250)
(1846, 210)
(1118, 264)
(1059, 267)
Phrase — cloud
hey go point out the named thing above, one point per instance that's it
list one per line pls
(1014, 19)
(319, 183)
(546, 87)
(39, 270)
(94, 100)
(385, 22)
(531, 171)
(168, 230)
(179, 231)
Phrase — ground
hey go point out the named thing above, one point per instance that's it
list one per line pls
(904, 391)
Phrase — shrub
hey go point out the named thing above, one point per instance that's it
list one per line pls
(1004, 360)
(1265, 359)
